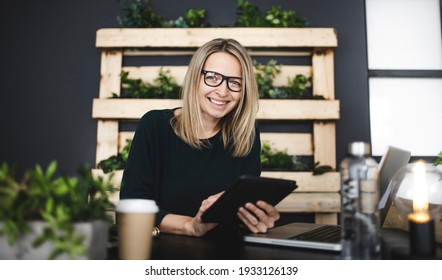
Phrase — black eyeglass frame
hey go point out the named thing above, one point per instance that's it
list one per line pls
(224, 78)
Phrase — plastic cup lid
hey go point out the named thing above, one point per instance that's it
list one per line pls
(137, 206)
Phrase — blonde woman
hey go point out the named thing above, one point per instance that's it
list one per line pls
(184, 158)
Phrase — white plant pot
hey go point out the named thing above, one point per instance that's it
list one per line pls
(95, 241)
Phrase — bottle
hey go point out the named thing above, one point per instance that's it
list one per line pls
(359, 204)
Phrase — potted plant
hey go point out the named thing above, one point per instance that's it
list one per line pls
(44, 216)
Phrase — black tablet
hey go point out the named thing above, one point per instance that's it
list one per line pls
(247, 189)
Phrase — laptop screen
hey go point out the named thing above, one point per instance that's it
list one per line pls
(392, 160)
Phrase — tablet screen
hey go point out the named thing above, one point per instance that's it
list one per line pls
(247, 189)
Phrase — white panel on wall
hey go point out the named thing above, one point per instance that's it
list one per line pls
(404, 34)
(407, 113)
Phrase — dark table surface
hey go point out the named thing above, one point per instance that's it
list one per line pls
(221, 246)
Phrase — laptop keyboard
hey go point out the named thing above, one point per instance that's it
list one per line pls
(328, 234)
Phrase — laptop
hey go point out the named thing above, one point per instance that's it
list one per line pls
(328, 237)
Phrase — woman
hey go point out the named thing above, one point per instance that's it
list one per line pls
(184, 158)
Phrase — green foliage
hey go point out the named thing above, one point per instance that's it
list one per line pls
(59, 201)
(296, 88)
(116, 162)
(321, 169)
(164, 86)
(250, 15)
(438, 160)
(265, 73)
(272, 159)
(276, 17)
(139, 14)
(192, 18)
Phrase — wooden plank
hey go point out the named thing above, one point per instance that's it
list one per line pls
(307, 182)
(107, 139)
(299, 144)
(298, 109)
(311, 202)
(324, 141)
(179, 52)
(326, 218)
(268, 110)
(110, 70)
(195, 37)
(325, 183)
(294, 143)
(149, 73)
(123, 136)
(129, 108)
(323, 73)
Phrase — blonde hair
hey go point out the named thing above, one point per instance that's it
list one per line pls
(238, 127)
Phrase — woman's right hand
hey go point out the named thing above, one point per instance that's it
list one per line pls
(192, 226)
(197, 228)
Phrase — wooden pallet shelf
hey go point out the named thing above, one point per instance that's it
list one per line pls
(316, 194)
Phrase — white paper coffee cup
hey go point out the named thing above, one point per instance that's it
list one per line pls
(135, 219)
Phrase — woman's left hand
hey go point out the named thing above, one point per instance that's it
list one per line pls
(258, 217)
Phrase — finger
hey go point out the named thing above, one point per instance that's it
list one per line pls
(247, 223)
(252, 219)
(206, 203)
(269, 209)
(261, 215)
(260, 227)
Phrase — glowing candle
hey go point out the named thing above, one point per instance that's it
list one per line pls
(420, 212)
(422, 235)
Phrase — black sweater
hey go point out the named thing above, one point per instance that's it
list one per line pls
(178, 177)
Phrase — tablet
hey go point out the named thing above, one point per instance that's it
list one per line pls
(247, 189)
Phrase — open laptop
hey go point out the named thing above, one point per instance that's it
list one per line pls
(328, 237)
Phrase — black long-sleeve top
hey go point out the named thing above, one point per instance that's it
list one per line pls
(177, 176)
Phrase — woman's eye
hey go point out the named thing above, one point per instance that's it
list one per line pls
(235, 83)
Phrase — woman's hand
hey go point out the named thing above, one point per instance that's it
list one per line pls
(192, 226)
(258, 218)
(195, 227)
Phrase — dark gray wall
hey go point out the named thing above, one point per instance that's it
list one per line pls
(50, 71)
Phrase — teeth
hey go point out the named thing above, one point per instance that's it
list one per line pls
(217, 102)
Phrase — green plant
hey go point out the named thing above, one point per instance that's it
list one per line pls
(280, 160)
(250, 15)
(59, 201)
(276, 17)
(139, 14)
(265, 73)
(116, 162)
(295, 89)
(438, 160)
(164, 86)
(270, 159)
(192, 18)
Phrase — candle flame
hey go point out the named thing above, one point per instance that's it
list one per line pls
(420, 196)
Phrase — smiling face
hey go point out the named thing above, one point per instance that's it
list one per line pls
(217, 102)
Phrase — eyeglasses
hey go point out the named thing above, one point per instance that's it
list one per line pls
(214, 79)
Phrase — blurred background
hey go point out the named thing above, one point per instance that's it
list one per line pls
(51, 69)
